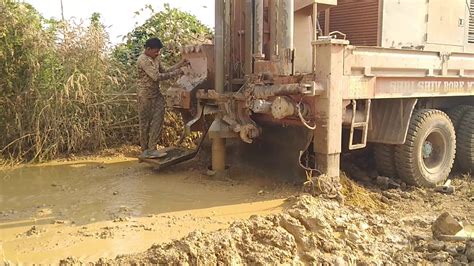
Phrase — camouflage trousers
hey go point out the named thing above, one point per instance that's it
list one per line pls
(151, 112)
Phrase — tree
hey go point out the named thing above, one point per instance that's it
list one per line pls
(174, 27)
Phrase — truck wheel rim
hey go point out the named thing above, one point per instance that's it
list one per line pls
(434, 151)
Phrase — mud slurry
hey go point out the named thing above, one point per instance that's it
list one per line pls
(318, 230)
(124, 213)
(102, 208)
(313, 230)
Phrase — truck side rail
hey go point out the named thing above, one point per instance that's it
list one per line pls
(382, 73)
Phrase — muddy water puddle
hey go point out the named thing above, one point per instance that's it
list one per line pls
(100, 209)
(88, 192)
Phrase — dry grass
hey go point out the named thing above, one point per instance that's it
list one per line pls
(61, 91)
(358, 196)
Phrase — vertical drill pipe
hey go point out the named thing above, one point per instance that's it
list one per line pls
(286, 20)
(258, 37)
(327, 21)
(248, 37)
(273, 29)
(229, 41)
(218, 154)
(218, 144)
(219, 46)
(315, 36)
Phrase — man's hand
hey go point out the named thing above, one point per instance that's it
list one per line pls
(184, 63)
(179, 72)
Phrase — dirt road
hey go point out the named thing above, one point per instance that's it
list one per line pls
(106, 207)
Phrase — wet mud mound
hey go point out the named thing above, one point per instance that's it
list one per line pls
(313, 230)
(358, 196)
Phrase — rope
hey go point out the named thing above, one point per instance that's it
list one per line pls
(300, 115)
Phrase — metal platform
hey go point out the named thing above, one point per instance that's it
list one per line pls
(174, 156)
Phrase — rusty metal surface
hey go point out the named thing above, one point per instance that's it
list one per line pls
(283, 107)
(260, 106)
(228, 48)
(202, 62)
(258, 33)
(273, 19)
(265, 90)
(237, 43)
(219, 46)
(284, 36)
(199, 75)
(248, 34)
(178, 98)
(218, 155)
(303, 36)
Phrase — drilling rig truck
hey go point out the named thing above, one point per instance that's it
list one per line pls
(317, 77)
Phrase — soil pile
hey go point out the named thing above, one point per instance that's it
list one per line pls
(313, 230)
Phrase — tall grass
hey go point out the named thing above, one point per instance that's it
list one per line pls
(60, 91)
(63, 90)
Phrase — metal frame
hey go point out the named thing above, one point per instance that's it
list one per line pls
(388, 81)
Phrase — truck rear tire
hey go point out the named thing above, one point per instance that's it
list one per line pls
(456, 114)
(465, 134)
(385, 160)
(427, 156)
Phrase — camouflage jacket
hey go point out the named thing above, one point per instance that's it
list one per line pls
(150, 73)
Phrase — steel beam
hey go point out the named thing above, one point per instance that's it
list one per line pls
(329, 105)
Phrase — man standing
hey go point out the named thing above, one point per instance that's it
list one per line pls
(151, 103)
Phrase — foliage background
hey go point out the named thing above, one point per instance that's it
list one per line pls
(64, 89)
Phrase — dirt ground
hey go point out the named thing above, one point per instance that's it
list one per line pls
(112, 209)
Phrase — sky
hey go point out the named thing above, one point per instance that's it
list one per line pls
(119, 15)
